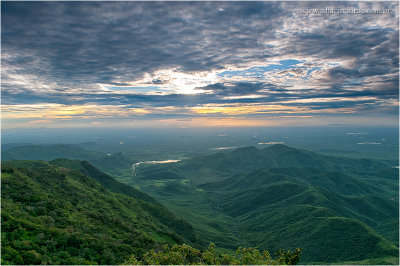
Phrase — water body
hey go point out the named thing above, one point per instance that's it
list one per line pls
(222, 148)
(151, 162)
(271, 143)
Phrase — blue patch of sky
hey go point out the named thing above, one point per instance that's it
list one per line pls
(313, 69)
(309, 72)
(258, 71)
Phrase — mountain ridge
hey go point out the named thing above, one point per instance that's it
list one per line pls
(280, 195)
(55, 212)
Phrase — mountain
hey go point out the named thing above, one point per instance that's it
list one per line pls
(335, 182)
(279, 155)
(222, 165)
(48, 152)
(271, 209)
(56, 215)
(211, 168)
(336, 209)
(105, 180)
(116, 164)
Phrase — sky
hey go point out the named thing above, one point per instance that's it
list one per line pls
(198, 64)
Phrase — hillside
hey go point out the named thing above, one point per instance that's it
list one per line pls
(105, 180)
(47, 152)
(218, 166)
(270, 213)
(116, 164)
(55, 215)
(334, 181)
(336, 209)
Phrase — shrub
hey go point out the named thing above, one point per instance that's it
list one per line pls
(187, 255)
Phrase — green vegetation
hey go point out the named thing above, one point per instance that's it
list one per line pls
(52, 214)
(105, 180)
(55, 215)
(116, 164)
(284, 197)
(48, 152)
(187, 255)
(340, 175)
(336, 209)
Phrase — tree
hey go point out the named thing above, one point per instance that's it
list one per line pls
(187, 255)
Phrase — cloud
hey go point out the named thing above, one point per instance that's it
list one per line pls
(161, 54)
(117, 42)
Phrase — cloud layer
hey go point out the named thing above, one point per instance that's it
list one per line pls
(186, 60)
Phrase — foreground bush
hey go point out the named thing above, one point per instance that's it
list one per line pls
(184, 254)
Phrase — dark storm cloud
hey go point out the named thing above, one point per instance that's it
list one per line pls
(373, 47)
(60, 47)
(101, 42)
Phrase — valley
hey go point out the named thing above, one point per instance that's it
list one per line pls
(335, 208)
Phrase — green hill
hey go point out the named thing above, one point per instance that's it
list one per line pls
(265, 205)
(288, 213)
(105, 180)
(336, 209)
(55, 215)
(48, 152)
(215, 167)
(116, 164)
(334, 181)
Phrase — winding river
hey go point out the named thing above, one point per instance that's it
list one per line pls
(151, 162)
